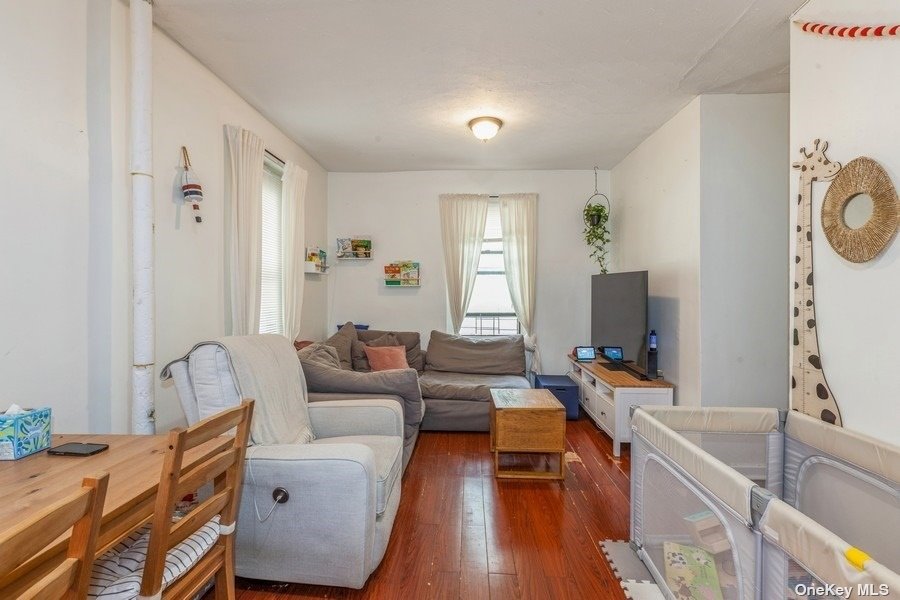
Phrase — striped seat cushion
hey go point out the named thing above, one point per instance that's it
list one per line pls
(117, 574)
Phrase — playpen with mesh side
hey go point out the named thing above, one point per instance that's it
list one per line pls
(736, 503)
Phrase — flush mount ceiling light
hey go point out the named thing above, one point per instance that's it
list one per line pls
(484, 128)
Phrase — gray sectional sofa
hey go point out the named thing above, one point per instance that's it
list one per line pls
(454, 376)
(459, 373)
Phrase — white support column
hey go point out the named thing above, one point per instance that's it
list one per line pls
(142, 373)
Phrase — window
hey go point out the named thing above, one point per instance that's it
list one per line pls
(491, 310)
(271, 305)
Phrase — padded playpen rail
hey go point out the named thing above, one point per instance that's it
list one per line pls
(698, 522)
(800, 555)
(719, 478)
(691, 516)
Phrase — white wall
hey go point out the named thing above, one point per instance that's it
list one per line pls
(191, 105)
(703, 210)
(744, 206)
(400, 212)
(656, 227)
(64, 227)
(44, 209)
(847, 92)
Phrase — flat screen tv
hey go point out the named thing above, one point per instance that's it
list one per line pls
(619, 313)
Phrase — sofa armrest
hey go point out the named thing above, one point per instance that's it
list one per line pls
(356, 417)
(403, 383)
(331, 396)
(332, 496)
(308, 457)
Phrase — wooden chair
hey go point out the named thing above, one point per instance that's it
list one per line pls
(226, 470)
(82, 512)
(185, 577)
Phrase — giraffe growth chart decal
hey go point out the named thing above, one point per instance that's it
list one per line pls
(810, 393)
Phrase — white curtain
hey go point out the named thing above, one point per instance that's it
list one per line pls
(518, 220)
(293, 199)
(463, 217)
(245, 160)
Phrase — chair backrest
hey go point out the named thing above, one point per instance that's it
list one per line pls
(82, 512)
(224, 467)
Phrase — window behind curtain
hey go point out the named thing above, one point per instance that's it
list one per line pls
(491, 310)
(271, 306)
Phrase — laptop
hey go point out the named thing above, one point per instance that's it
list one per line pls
(585, 354)
(615, 356)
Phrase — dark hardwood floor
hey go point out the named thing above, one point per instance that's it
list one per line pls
(460, 533)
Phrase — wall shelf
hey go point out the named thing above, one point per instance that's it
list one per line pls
(316, 261)
(354, 248)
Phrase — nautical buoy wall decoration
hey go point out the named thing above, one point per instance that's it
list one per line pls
(190, 186)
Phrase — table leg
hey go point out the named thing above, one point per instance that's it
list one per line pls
(492, 424)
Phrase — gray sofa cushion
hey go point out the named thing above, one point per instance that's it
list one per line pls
(398, 382)
(388, 462)
(342, 341)
(358, 350)
(503, 355)
(320, 354)
(466, 386)
(456, 415)
(409, 339)
(211, 382)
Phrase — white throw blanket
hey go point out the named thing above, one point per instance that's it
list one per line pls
(266, 369)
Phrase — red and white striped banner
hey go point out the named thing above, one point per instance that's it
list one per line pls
(849, 31)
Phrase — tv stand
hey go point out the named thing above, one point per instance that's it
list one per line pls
(607, 396)
(628, 366)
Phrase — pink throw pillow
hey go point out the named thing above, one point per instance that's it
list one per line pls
(383, 358)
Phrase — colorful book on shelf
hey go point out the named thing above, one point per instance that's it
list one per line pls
(356, 247)
(344, 248)
(402, 273)
(409, 273)
(362, 248)
(392, 274)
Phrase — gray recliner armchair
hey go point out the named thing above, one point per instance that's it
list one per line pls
(339, 462)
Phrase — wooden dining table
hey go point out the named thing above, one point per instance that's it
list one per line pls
(134, 464)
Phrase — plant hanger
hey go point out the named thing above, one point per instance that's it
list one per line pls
(596, 193)
(596, 220)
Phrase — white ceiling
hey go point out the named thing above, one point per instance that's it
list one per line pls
(388, 85)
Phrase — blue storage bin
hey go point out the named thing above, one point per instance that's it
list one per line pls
(359, 326)
(565, 390)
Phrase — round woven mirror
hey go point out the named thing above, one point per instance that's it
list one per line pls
(860, 179)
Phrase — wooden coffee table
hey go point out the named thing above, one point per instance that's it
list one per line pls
(527, 421)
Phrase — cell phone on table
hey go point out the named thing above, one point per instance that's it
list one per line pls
(77, 449)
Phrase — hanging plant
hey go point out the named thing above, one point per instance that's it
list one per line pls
(596, 232)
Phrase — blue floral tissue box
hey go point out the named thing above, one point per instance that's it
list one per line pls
(24, 433)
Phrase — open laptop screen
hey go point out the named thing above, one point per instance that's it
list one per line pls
(612, 352)
(585, 353)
